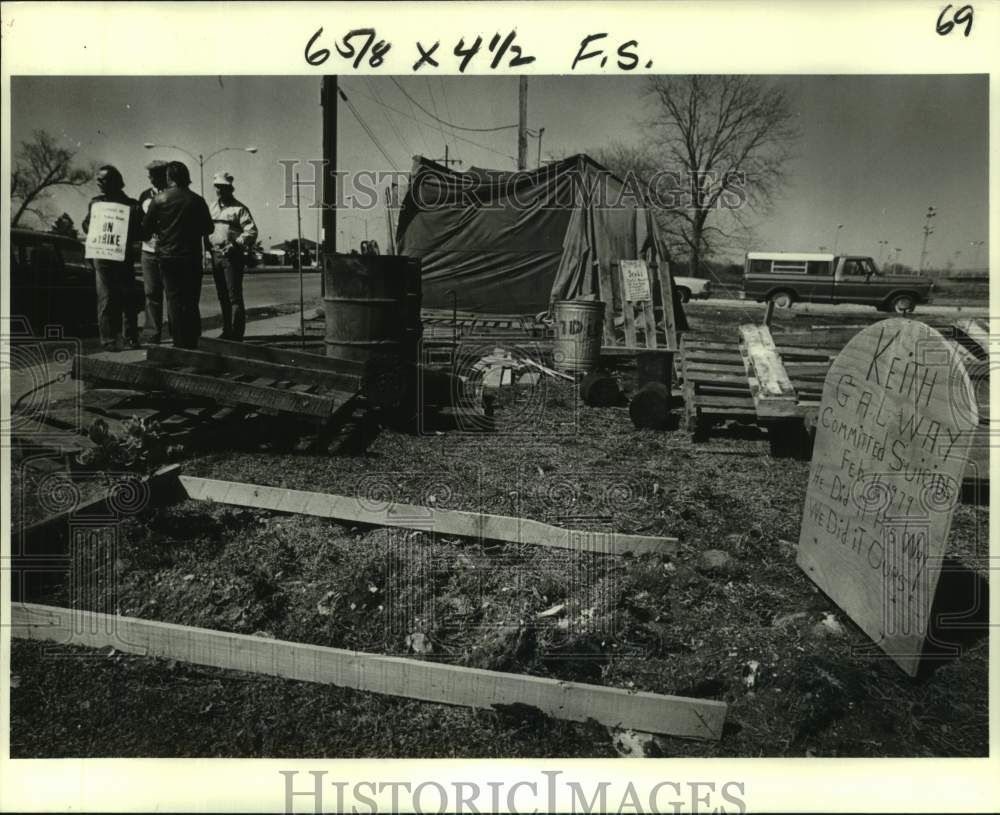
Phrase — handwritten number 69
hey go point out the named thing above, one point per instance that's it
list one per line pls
(963, 15)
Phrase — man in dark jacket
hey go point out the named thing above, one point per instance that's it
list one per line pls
(116, 312)
(180, 221)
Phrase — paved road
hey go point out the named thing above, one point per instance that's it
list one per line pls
(264, 289)
(844, 308)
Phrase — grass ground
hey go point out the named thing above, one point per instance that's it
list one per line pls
(748, 627)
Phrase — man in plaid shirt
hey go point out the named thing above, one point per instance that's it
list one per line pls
(232, 240)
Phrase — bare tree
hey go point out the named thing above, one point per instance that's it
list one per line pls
(40, 165)
(723, 143)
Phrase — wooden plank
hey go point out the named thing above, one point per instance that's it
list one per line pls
(440, 521)
(149, 377)
(764, 363)
(628, 311)
(608, 296)
(394, 676)
(771, 390)
(710, 400)
(280, 356)
(667, 302)
(648, 312)
(224, 363)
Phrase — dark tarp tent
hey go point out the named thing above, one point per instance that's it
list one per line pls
(514, 242)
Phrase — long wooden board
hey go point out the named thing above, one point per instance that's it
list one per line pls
(149, 377)
(280, 356)
(224, 363)
(772, 391)
(440, 521)
(394, 676)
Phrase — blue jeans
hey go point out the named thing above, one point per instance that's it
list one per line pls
(116, 313)
(228, 274)
(152, 284)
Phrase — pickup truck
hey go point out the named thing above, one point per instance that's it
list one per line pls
(785, 278)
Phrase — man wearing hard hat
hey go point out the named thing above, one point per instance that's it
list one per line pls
(232, 240)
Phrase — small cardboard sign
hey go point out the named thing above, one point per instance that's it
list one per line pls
(636, 279)
(107, 235)
(892, 438)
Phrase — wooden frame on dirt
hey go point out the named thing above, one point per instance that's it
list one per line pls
(440, 521)
(394, 676)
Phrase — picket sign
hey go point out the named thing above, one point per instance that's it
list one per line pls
(107, 237)
(894, 431)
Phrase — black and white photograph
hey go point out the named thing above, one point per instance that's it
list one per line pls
(459, 412)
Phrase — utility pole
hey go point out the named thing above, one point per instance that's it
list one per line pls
(522, 123)
(447, 161)
(328, 99)
(541, 130)
(298, 252)
(928, 231)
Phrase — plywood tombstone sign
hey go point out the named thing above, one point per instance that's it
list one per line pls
(892, 440)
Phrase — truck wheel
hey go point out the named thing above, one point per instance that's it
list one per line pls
(781, 299)
(902, 304)
(683, 293)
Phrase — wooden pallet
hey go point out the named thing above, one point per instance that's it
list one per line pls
(271, 387)
(717, 387)
(637, 309)
(63, 431)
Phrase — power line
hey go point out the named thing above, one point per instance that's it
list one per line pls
(430, 90)
(459, 138)
(420, 125)
(399, 136)
(367, 129)
(451, 124)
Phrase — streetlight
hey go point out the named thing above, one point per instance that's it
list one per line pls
(836, 237)
(201, 159)
(928, 231)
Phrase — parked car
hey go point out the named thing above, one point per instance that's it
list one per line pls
(785, 278)
(52, 283)
(692, 288)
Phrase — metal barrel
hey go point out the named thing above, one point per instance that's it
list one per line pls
(579, 327)
(372, 306)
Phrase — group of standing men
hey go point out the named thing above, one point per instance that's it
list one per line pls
(178, 231)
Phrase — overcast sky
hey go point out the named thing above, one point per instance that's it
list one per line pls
(874, 153)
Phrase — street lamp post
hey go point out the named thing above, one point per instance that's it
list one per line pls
(201, 159)
(836, 237)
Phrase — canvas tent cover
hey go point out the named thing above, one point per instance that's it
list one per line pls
(515, 242)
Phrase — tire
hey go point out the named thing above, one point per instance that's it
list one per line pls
(782, 299)
(684, 294)
(903, 303)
